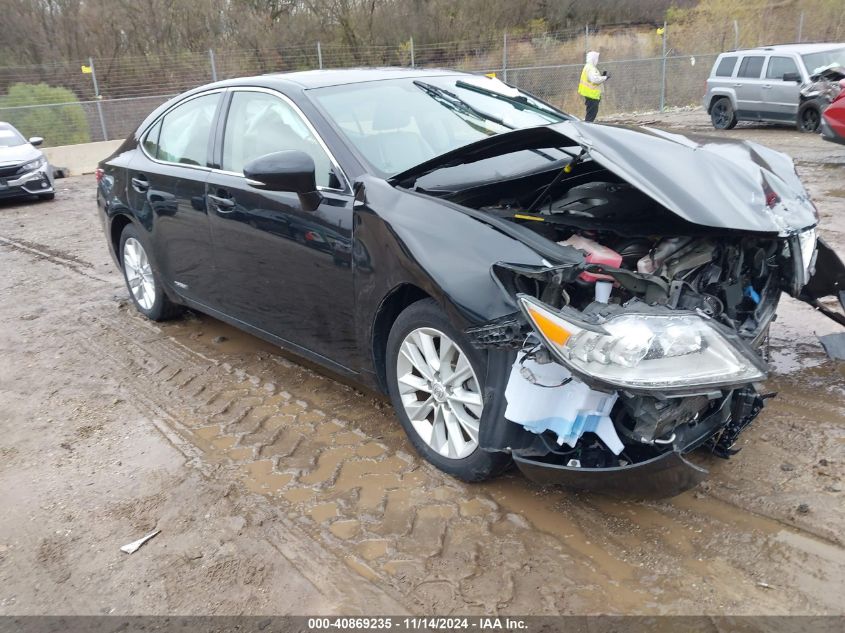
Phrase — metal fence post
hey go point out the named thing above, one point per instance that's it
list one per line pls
(413, 61)
(505, 58)
(663, 72)
(736, 35)
(800, 26)
(319, 55)
(586, 39)
(213, 65)
(97, 97)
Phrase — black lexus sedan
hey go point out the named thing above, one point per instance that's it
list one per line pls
(587, 301)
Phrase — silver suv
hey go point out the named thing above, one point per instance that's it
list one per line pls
(764, 84)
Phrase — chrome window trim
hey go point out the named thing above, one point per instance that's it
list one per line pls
(143, 135)
(287, 100)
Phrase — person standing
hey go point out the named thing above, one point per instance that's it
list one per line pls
(590, 85)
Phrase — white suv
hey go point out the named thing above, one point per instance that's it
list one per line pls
(764, 84)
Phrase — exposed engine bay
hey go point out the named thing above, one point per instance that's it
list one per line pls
(644, 334)
(629, 268)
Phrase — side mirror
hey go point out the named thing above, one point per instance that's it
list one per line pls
(36, 140)
(290, 170)
(792, 77)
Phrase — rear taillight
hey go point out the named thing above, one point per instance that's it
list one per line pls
(772, 199)
(98, 174)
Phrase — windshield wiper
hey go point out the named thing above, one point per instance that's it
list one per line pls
(521, 103)
(454, 102)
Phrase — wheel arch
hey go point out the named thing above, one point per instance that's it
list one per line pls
(726, 94)
(393, 304)
(118, 222)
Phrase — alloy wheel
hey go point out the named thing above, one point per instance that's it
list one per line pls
(139, 273)
(810, 120)
(721, 116)
(440, 392)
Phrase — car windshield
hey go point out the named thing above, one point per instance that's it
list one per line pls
(396, 124)
(816, 62)
(9, 137)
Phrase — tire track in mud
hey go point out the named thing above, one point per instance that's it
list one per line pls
(59, 258)
(441, 544)
(383, 512)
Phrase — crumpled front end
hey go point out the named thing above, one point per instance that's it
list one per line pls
(643, 334)
(611, 393)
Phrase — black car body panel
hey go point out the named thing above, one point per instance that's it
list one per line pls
(666, 475)
(327, 283)
(828, 281)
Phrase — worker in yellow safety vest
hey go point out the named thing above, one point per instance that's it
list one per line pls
(591, 84)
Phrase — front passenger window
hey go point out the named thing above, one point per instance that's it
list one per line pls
(259, 123)
(185, 132)
(780, 66)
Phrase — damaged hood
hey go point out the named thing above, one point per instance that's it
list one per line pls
(719, 183)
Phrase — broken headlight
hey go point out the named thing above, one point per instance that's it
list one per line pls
(646, 351)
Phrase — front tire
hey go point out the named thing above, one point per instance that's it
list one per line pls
(722, 114)
(809, 116)
(46, 196)
(142, 281)
(435, 380)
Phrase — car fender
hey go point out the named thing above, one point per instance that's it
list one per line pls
(423, 242)
(827, 281)
(717, 93)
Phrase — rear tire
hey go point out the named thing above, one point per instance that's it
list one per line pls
(722, 114)
(809, 116)
(444, 396)
(142, 281)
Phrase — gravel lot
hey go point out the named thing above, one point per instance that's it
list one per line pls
(278, 489)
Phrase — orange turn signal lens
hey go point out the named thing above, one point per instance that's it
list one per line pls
(553, 331)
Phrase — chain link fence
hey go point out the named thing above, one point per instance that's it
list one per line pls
(84, 100)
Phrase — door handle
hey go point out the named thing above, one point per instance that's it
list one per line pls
(140, 183)
(767, 85)
(223, 204)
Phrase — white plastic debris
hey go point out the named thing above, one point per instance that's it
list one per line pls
(132, 547)
(546, 397)
(603, 290)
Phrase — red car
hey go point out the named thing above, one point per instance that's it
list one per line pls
(833, 120)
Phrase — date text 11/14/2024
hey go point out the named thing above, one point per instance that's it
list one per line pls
(418, 623)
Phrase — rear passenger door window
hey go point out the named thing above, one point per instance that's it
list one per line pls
(259, 123)
(779, 66)
(751, 67)
(726, 67)
(184, 132)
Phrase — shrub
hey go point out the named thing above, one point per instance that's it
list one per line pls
(59, 124)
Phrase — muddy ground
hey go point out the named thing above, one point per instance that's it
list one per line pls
(278, 489)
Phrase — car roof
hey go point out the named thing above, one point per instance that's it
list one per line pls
(801, 49)
(308, 79)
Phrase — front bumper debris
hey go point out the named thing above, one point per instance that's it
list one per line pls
(665, 475)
